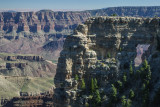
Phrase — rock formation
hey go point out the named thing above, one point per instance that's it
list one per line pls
(25, 65)
(103, 48)
(37, 29)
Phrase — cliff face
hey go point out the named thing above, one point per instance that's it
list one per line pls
(103, 48)
(45, 21)
(49, 21)
(25, 65)
(33, 32)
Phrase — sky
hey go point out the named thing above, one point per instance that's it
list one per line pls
(72, 4)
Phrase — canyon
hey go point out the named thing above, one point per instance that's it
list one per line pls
(43, 32)
(102, 48)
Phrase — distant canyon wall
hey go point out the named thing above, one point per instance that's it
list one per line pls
(44, 32)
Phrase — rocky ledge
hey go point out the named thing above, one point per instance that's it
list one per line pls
(104, 49)
(26, 65)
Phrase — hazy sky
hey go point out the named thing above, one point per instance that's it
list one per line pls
(73, 4)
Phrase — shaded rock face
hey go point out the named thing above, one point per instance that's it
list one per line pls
(102, 40)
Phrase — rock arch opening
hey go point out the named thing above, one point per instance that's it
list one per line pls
(142, 53)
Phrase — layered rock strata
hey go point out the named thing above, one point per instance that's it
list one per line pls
(26, 65)
(103, 48)
(33, 32)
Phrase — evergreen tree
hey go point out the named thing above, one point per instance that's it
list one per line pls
(108, 55)
(95, 83)
(126, 102)
(148, 76)
(119, 85)
(123, 101)
(145, 64)
(114, 14)
(76, 77)
(131, 94)
(83, 85)
(97, 97)
(130, 69)
(124, 78)
(129, 103)
(92, 86)
(114, 94)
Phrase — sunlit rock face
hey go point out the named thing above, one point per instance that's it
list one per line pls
(103, 47)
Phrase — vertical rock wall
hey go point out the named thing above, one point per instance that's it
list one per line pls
(103, 40)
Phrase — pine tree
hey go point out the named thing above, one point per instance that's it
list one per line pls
(97, 97)
(145, 64)
(108, 55)
(83, 85)
(131, 94)
(126, 102)
(114, 93)
(129, 103)
(130, 69)
(76, 77)
(114, 14)
(95, 83)
(124, 78)
(148, 77)
(123, 101)
(92, 86)
(119, 85)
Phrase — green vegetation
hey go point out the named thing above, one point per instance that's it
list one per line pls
(83, 85)
(131, 69)
(131, 94)
(11, 86)
(92, 85)
(124, 90)
(108, 55)
(97, 98)
(114, 14)
(54, 61)
(125, 102)
(120, 49)
(95, 83)
(76, 77)
(114, 94)
(124, 78)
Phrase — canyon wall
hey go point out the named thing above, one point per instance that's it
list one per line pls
(33, 32)
(103, 48)
(26, 65)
